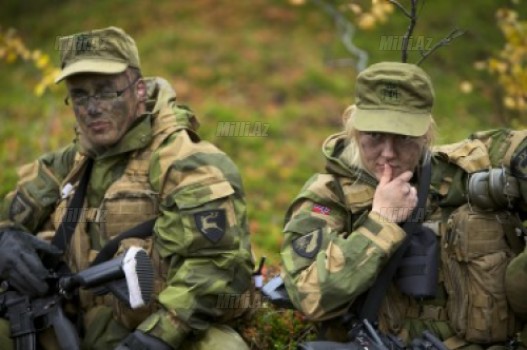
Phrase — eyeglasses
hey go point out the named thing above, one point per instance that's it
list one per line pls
(376, 139)
(82, 99)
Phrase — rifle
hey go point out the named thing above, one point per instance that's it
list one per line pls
(362, 334)
(364, 337)
(129, 277)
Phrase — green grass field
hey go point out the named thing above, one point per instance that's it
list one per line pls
(263, 62)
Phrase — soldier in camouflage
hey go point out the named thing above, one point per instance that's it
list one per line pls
(345, 224)
(147, 163)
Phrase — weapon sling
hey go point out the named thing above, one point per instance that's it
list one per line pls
(69, 222)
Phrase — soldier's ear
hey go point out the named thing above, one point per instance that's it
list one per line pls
(141, 90)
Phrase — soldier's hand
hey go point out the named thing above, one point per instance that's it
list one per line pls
(20, 264)
(394, 199)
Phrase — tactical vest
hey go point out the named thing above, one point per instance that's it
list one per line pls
(470, 306)
(129, 201)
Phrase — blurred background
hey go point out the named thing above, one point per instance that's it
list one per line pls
(283, 70)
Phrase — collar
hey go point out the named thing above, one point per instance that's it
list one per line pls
(139, 136)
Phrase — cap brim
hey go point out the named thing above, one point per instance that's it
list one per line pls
(92, 66)
(389, 121)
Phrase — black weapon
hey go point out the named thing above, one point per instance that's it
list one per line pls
(362, 334)
(364, 337)
(129, 277)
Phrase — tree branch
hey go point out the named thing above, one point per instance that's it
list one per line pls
(401, 7)
(443, 42)
(347, 31)
(412, 15)
(409, 31)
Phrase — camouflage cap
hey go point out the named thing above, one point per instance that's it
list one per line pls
(104, 51)
(393, 97)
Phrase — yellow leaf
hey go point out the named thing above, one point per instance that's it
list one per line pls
(35, 55)
(387, 7)
(42, 61)
(366, 21)
(466, 87)
(11, 57)
(509, 102)
(480, 65)
(55, 72)
(497, 66)
(39, 89)
(355, 8)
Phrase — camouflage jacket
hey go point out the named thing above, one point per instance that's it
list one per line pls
(335, 247)
(159, 169)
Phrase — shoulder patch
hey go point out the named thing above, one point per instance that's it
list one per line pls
(211, 224)
(308, 245)
(20, 210)
(519, 164)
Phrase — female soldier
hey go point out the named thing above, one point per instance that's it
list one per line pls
(346, 223)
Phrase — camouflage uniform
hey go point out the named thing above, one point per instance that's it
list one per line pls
(335, 246)
(200, 243)
(328, 266)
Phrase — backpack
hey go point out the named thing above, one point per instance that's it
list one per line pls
(476, 251)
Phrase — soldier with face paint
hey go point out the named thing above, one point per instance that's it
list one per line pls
(144, 161)
(346, 223)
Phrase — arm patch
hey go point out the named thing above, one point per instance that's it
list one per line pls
(307, 246)
(211, 224)
(20, 210)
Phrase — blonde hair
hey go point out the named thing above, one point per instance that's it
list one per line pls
(352, 151)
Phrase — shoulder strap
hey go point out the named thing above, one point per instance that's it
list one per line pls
(71, 216)
(370, 308)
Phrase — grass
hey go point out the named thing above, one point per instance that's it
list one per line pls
(259, 61)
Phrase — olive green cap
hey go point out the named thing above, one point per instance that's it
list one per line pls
(104, 51)
(393, 97)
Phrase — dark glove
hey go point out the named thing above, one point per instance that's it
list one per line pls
(142, 341)
(20, 264)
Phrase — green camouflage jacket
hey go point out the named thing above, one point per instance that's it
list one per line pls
(335, 247)
(200, 241)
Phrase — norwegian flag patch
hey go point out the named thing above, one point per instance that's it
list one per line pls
(320, 209)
